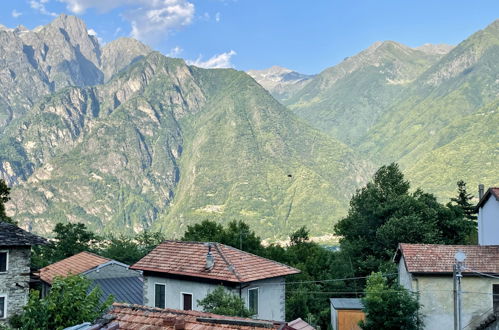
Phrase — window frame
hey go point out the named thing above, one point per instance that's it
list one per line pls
(4, 296)
(6, 261)
(164, 286)
(182, 301)
(254, 312)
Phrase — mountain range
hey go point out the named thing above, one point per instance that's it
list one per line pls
(123, 138)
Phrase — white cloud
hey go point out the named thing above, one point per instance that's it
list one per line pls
(150, 20)
(175, 52)
(40, 7)
(216, 62)
(92, 32)
(16, 13)
(217, 17)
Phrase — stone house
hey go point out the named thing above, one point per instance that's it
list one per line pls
(177, 274)
(15, 271)
(113, 277)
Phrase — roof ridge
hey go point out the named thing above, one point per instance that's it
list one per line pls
(255, 255)
(231, 267)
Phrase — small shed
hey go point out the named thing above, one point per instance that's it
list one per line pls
(346, 313)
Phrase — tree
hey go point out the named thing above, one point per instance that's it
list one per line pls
(389, 307)
(4, 198)
(384, 213)
(237, 234)
(68, 302)
(220, 301)
(463, 200)
(130, 249)
(70, 239)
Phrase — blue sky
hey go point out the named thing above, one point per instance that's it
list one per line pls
(306, 36)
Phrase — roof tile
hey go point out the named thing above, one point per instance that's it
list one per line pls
(231, 264)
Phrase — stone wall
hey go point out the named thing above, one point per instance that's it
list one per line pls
(15, 282)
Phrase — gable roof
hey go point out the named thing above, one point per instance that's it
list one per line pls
(12, 235)
(231, 264)
(492, 191)
(124, 316)
(77, 264)
(436, 258)
(299, 324)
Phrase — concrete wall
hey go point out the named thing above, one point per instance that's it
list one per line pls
(404, 277)
(488, 222)
(111, 270)
(270, 294)
(15, 282)
(437, 300)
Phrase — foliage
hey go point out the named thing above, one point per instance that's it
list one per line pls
(70, 239)
(389, 307)
(237, 234)
(220, 301)
(463, 200)
(384, 213)
(130, 249)
(4, 198)
(68, 302)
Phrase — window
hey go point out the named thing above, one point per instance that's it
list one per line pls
(3, 307)
(4, 260)
(187, 301)
(495, 297)
(159, 295)
(253, 301)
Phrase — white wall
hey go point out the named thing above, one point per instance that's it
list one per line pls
(488, 222)
(270, 294)
(405, 278)
(437, 299)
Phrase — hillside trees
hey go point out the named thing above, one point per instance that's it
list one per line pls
(385, 213)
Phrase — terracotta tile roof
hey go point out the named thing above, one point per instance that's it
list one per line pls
(299, 324)
(76, 264)
(12, 235)
(492, 191)
(231, 264)
(435, 258)
(125, 316)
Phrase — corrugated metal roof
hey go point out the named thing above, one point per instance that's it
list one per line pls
(346, 303)
(124, 289)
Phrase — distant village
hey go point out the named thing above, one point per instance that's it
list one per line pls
(457, 286)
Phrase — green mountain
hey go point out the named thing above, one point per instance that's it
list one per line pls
(346, 100)
(161, 144)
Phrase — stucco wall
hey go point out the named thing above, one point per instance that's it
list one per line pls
(111, 270)
(405, 278)
(15, 282)
(437, 300)
(488, 223)
(270, 295)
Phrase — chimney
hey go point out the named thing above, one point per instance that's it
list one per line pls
(480, 191)
(210, 259)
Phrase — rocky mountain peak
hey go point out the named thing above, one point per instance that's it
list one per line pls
(435, 49)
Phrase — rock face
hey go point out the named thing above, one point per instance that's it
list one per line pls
(42, 61)
(138, 140)
(280, 82)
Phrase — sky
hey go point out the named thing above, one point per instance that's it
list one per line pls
(304, 35)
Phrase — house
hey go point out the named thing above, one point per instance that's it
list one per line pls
(346, 313)
(177, 274)
(300, 324)
(111, 276)
(427, 269)
(15, 261)
(488, 217)
(125, 316)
